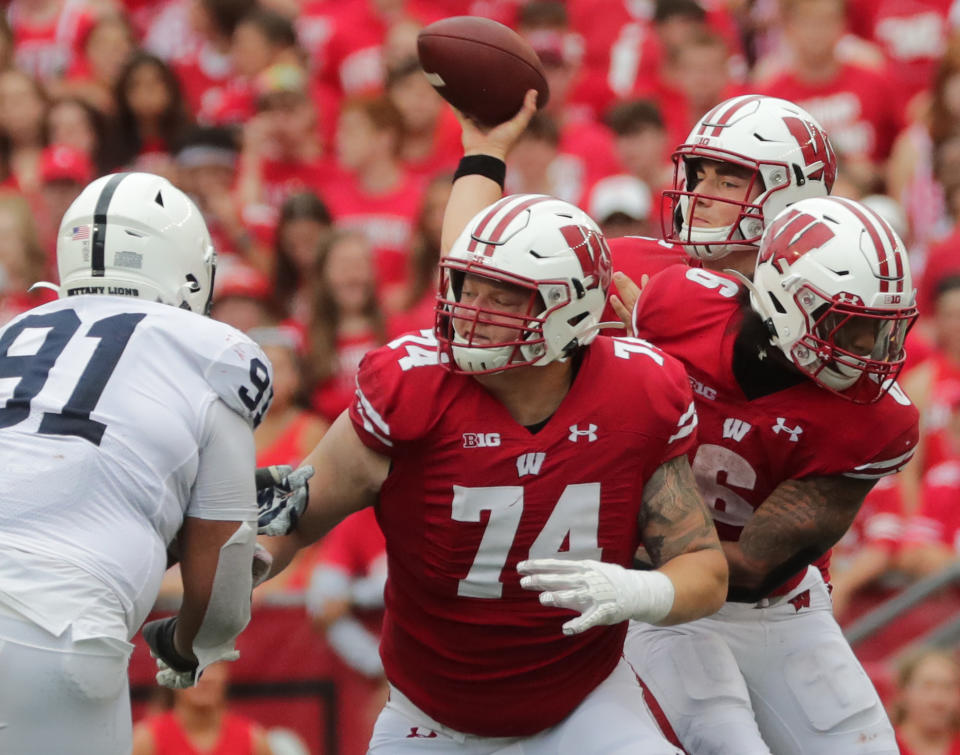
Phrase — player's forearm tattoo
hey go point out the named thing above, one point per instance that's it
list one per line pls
(796, 524)
(673, 518)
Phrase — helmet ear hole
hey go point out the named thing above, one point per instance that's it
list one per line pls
(194, 283)
(776, 303)
(159, 199)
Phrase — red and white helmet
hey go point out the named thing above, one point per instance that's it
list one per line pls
(833, 285)
(787, 150)
(538, 243)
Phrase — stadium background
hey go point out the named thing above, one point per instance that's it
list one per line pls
(322, 158)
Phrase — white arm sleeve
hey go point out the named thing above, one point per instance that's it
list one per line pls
(225, 489)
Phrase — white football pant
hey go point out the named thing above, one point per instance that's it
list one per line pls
(62, 696)
(775, 676)
(611, 720)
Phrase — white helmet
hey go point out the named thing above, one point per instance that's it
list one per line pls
(544, 246)
(787, 151)
(136, 234)
(831, 272)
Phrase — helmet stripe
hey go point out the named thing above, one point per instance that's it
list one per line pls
(724, 118)
(97, 255)
(494, 209)
(871, 225)
(507, 219)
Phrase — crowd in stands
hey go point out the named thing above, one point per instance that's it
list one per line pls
(322, 159)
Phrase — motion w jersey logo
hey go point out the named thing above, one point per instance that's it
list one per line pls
(530, 463)
(735, 428)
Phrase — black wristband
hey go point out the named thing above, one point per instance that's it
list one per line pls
(482, 165)
(159, 636)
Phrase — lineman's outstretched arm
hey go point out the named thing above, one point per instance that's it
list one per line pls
(690, 580)
(681, 540)
(472, 193)
(797, 523)
(347, 478)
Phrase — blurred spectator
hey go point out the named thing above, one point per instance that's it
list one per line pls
(281, 153)
(345, 323)
(856, 106)
(289, 431)
(261, 39)
(151, 114)
(74, 122)
(430, 142)
(640, 140)
(912, 171)
(344, 599)
(206, 170)
(584, 146)
(697, 76)
(412, 307)
(23, 107)
(931, 539)
(912, 35)
(621, 206)
(6, 43)
(304, 225)
(64, 171)
(45, 34)
(22, 259)
(932, 387)
(104, 49)
(926, 712)
(200, 722)
(376, 196)
(869, 549)
(242, 297)
(205, 67)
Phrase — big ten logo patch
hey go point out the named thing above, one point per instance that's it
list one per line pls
(481, 440)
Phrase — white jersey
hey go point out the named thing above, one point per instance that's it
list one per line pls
(103, 402)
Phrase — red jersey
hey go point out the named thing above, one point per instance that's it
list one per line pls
(939, 446)
(938, 518)
(387, 220)
(859, 108)
(879, 523)
(471, 493)
(355, 545)
(759, 423)
(636, 256)
(912, 33)
(47, 51)
(236, 736)
(288, 448)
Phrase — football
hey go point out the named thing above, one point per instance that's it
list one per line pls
(481, 67)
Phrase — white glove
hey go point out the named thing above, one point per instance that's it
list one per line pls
(167, 677)
(282, 495)
(602, 593)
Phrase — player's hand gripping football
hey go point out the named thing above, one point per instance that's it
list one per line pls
(282, 495)
(498, 140)
(602, 593)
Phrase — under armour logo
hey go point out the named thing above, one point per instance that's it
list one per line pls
(781, 426)
(417, 732)
(576, 433)
(801, 600)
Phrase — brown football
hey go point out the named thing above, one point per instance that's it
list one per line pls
(481, 67)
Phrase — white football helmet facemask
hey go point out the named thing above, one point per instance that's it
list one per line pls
(833, 285)
(551, 265)
(136, 234)
(787, 151)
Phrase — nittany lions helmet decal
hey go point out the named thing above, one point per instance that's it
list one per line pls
(136, 234)
(548, 253)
